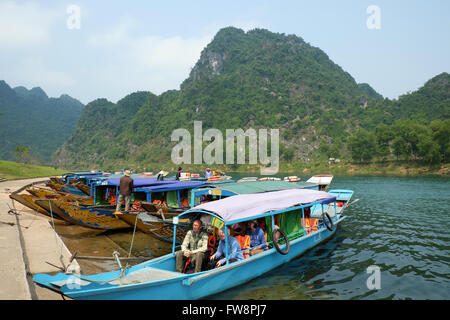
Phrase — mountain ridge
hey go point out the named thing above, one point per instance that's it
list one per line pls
(29, 118)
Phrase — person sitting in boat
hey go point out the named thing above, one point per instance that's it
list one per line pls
(193, 248)
(257, 239)
(234, 250)
(240, 230)
(208, 173)
(125, 188)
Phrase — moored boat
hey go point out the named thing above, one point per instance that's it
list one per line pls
(28, 201)
(292, 179)
(157, 278)
(96, 217)
(159, 228)
(323, 180)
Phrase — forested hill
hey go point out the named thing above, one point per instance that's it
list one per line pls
(255, 79)
(32, 121)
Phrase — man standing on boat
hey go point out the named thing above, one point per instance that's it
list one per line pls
(125, 188)
(178, 175)
(193, 248)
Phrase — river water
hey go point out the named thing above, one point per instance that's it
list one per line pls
(398, 230)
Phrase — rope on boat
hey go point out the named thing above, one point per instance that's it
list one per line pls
(56, 239)
(134, 232)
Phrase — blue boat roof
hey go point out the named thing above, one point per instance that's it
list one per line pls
(137, 182)
(171, 185)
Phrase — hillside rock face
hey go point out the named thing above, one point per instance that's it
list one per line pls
(29, 118)
(255, 79)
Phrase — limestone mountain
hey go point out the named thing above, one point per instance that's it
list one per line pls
(255, 79)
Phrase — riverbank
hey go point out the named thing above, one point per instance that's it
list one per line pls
(28, 245)
(13, 170)
(390, 168)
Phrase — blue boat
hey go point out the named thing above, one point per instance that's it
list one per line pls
(157, 278)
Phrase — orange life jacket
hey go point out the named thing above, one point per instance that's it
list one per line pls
(159, 203)
(113, 200)
(184, 202)
(244, 242)
(212, 244)
(136, 206)
(310, 225)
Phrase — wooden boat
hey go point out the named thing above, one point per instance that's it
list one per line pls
(50, 208)
(96, 217)
(49, 194)
(158, 279)
(28, 201)
(157, 227)
(56, 180)
(82, 187)
(65, 188)
(161, 210)
(98, 213)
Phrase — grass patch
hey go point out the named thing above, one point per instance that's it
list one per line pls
(14, 170)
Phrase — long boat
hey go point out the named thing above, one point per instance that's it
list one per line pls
(89, 216)
(158, 279)
(101, 214)
(159, 228)
(28, 201)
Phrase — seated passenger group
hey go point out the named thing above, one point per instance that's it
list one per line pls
(248, 239)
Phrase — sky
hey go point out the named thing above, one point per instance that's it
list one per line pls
(104, 49)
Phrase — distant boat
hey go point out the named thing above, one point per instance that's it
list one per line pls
(323, 180)
(246, 179)
(269, 179)
(292, 179)
(158, 279)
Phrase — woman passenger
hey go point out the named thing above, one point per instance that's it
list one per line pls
(257, 239)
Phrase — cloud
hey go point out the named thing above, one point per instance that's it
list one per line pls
(148, 62)
(24, 24)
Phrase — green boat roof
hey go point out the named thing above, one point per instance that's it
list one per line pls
(262, 186)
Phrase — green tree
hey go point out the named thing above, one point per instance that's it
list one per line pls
(384, 135)
(429, 150)
(441, 135)
(362, 145)
(22, 154)
(400, 147)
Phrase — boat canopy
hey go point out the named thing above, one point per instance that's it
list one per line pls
(170, 185)
(137, 182)
(247, 206)
(263, 186)
(322, 179)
